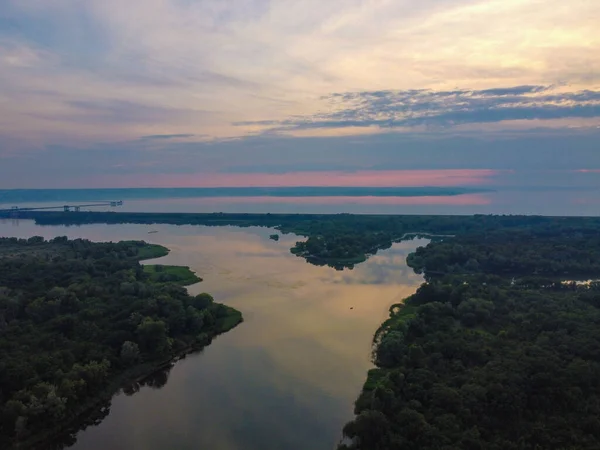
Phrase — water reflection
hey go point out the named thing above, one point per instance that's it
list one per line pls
(155, 380)
(285, 378)
(69, 437)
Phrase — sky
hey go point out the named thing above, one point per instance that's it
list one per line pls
(112, 93)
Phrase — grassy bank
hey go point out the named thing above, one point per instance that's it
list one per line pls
(181, 275)
(151, 251)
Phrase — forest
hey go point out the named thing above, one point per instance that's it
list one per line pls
(337, 240)
(78, 320)
(498, 350)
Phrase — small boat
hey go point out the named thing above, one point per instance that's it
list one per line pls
(153, 231)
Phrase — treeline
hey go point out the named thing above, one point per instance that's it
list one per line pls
(480, 359)
(524, 254)
(77, 319)
(338, 240)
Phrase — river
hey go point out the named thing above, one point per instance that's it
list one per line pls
(288, 376)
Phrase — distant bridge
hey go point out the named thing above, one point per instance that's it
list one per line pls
(14, 211)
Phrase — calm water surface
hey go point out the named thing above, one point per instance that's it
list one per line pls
(284, 379)
(505, 200)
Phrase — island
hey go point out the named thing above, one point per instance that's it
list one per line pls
(498, 350)
(80, 320)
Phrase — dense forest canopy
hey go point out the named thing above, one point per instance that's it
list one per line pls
(494, 352)
(78, 318)
(523, 253)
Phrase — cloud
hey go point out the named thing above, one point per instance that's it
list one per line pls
(530, 155)
(282, 85)
(393, 109)
(168, 136)
(121, 111)
(517, 90)
(260, 62)
(361, 178)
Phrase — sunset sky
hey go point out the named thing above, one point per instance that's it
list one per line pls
(103, 93)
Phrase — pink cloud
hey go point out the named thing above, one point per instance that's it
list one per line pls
(365, 178)
(467, 199)
(200, 204)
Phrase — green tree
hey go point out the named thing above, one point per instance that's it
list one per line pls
(130, 353)
(202, 301)
(152, 336)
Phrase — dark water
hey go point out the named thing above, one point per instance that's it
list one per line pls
(284, 379)
(87, 195)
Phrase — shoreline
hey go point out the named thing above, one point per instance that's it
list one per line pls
(78, 420)
(356, 236)
(123, 380)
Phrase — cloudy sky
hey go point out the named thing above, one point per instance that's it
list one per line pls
(298, 92)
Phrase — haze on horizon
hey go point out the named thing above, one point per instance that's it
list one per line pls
(106, 93)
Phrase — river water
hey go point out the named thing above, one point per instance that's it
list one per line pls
(287, 377)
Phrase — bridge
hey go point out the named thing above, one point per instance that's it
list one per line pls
(14, 211)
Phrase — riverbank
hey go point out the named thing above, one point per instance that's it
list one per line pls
(99, 407)
(97, 321)
(494, 351)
